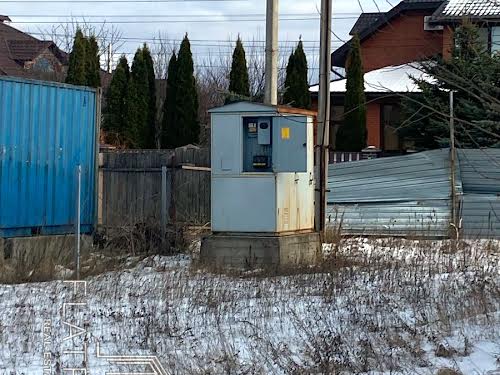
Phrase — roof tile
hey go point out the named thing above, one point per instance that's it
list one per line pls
(17, 47)
(456, 9)
(365, 20)
(24, 50)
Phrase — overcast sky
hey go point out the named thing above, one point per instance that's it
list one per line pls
(244, 17)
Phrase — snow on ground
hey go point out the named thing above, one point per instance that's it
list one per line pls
(375, 306)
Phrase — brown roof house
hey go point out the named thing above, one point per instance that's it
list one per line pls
(392, 45)
(22, 55)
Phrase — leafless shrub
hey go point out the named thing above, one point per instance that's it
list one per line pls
(143, 238)
(162, 48)
(109, 37)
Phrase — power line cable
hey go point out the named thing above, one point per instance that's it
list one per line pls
(161, 40)
(156, 21)
(179, 40)
(353, 15)
(113, 1)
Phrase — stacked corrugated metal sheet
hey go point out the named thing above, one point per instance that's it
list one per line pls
(480, 203)
(411, 195)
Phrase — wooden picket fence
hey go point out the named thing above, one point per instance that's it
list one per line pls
(154, 186)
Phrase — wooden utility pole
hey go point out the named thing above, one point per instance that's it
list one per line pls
(271, 77)
(454, 216)
(323, 134)
(110, 58)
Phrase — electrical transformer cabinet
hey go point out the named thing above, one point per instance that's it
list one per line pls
(262, 169)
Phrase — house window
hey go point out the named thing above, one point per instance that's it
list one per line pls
(489, 37)
(391, 119)
(495, 39)
(483, 36)
(43, 65)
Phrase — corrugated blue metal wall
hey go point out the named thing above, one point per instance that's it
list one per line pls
(46, 131)
(411, 195)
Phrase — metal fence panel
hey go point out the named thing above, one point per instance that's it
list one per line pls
(480, 171)
(46, 131)
(481, 216)
(402, 195)
(411, 195)
(399, 178)
(480, 207)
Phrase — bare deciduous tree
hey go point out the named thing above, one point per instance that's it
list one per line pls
(161, 49)
(109, 38)
(212, 76)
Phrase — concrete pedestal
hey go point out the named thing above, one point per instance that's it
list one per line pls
(250, 251)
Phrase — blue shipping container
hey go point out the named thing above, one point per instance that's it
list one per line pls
(46, 131)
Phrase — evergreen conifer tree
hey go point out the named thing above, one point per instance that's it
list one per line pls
(77, 61)
(137, 103)
(351, 136)
(304, 96)
(186, 96)
(474, 74)
(290, 79)
(238, 79)
(92, 63)
(170, 128)
(115, 112)
(150, 131)
(296, 81)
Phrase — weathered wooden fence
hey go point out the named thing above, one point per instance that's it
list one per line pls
(143, 186)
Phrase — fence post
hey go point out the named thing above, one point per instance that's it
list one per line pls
(77, 221)
(172, 208)
(163, 205)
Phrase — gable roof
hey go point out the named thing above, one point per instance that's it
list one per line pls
(8, 32)
(423, 1)
(17, 47)
(7, 65)
(454, 10)
(339, 56)
(26, 50)
(390, 79)
(365, 20)
(243, 106)
(254, 107)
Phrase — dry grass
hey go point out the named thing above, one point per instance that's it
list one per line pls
(113, 249)
(16, 271)
(390, 305)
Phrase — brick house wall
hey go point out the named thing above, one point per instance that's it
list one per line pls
(402, 41)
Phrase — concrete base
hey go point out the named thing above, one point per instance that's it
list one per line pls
(29, 252)
(250, 251)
